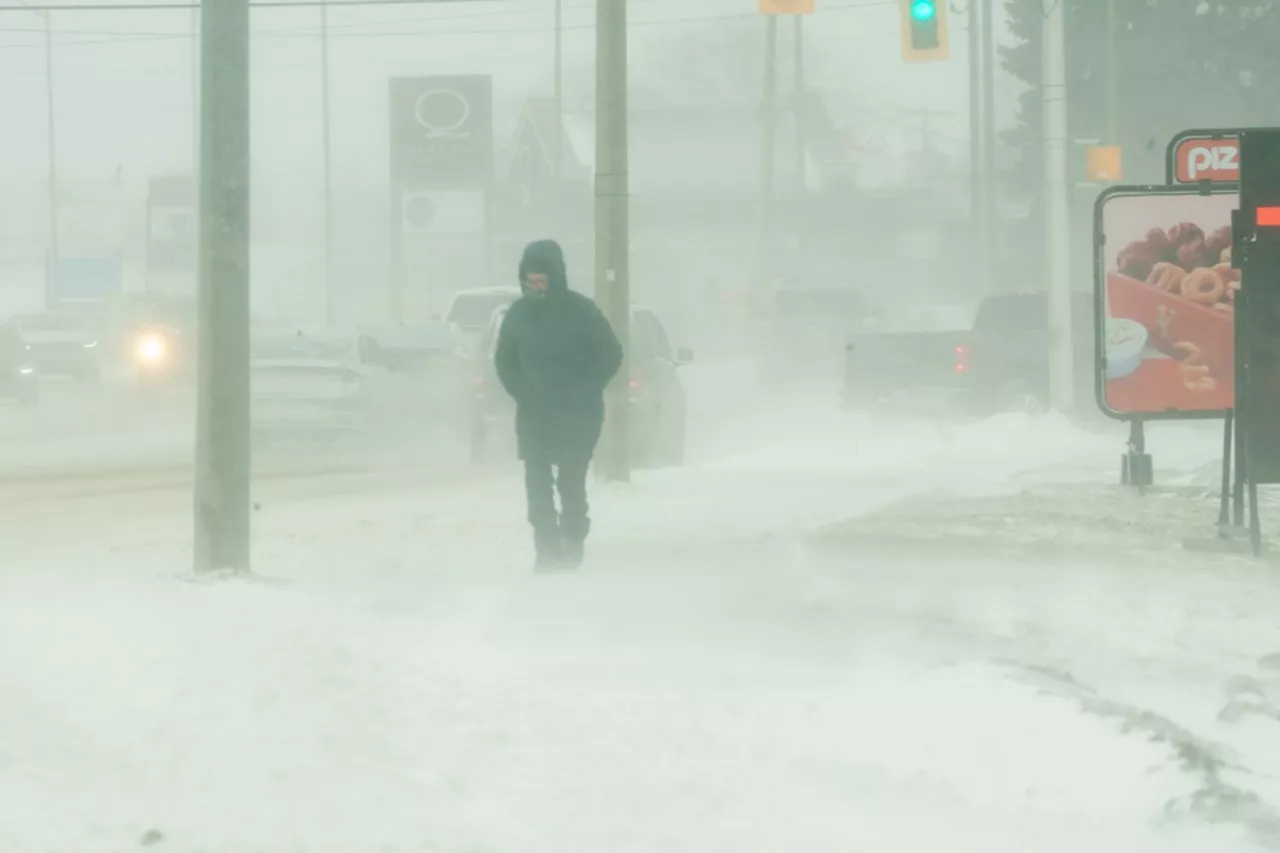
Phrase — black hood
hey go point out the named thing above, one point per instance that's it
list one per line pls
(547, 258)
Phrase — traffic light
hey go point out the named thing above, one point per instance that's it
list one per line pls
(924, 31)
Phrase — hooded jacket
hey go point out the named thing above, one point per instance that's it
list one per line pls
(556, 354)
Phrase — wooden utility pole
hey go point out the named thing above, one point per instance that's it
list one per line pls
(1057, 211)
(222, 504)
(613, 286)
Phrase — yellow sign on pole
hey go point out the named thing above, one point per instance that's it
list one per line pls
(788, 7)
(1104, 163)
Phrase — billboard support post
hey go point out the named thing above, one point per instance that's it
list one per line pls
(1136, 468)
(1224, 510)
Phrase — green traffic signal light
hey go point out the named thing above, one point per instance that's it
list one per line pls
(924, 30)
(924, 10)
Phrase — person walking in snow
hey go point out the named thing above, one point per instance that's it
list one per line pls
(556, 354)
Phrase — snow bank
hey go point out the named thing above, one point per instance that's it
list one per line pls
(257, 716)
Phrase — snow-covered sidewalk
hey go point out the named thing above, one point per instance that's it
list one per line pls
(394, 679)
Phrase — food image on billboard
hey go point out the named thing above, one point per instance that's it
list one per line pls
(1166, 330)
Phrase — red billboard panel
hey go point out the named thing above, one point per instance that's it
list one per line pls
(1166, 302)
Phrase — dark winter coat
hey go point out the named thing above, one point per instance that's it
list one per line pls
(555, 356)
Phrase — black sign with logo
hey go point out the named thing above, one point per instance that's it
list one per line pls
(1256, 253)
(442, 131)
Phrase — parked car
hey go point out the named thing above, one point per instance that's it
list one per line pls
(18, 378)
(1000, 364)
(61, 344)
(657, 397)
(428, 363)
(471, 310)
(319, 382)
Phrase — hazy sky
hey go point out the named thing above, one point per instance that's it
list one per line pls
(123, 79)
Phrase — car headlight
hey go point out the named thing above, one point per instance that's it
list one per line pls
(26, 371)
(151, 349)
(91, 345)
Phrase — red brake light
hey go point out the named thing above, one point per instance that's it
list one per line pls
(634, 384)
(962, 358)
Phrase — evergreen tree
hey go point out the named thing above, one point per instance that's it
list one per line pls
(1169, 65)
(1178, 64)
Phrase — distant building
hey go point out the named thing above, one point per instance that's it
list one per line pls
(695, 203)
(694, 181)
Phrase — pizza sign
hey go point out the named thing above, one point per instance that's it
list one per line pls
(1216, 161)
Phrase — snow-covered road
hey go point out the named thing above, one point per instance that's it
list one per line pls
(394, 679)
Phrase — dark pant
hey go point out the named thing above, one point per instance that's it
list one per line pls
(541, 480)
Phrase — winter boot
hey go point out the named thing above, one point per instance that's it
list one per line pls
(571, 554)
(549, 548)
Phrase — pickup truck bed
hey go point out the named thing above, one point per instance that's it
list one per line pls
(1000, 364)
(879, 365)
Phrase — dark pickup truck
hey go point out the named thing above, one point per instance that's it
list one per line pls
(1001, 364)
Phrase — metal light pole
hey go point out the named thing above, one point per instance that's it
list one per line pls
(55, 254)
(977, 207)
(612, 221)
(331, 310)
(1113, 76)
(1057, 222)
(991, 191)
(768, 142)
(55, 250)
(222, 504)
(802, 159)
(195, 95)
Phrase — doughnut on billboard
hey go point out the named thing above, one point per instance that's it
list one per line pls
(1165, 302)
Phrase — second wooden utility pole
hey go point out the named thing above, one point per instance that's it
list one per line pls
(612, 186)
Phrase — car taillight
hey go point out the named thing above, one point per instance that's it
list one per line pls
(635, 384)
(961, 359)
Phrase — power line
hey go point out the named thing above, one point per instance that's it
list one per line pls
(117, 37)
(124, 34)
(258, 4)
(112, 38)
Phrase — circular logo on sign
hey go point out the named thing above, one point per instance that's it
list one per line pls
(419, 212)
(442, 113)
